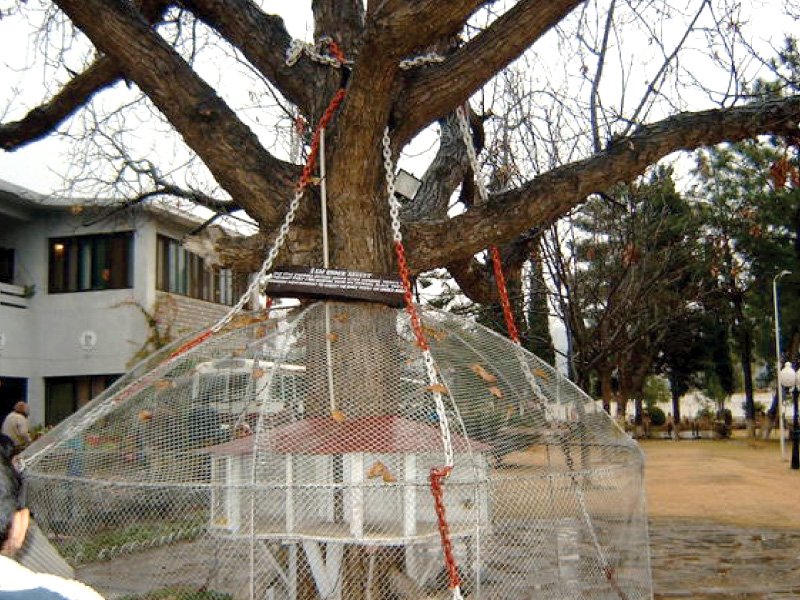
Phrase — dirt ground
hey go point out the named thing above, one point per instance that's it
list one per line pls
(737, 482)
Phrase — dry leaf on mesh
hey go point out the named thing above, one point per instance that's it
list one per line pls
(496, 391)
(437, 388)
(387, 476)
(162, 384)
(145, 415)
(541, 373)
(482, 373)
(258, 373)
(342, 317)
(376, 470)
(332, 336)
(433, 333)
(338, 416)
(242, 320)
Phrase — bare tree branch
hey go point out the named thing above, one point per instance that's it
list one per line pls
(229, 148)
(549, 196)
(437, 90)
(263, 40)
(44, 119)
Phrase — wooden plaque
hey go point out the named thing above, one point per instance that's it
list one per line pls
(312, 282)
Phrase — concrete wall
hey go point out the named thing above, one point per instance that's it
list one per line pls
(46, 338)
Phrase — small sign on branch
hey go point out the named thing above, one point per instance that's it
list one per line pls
(312, 282)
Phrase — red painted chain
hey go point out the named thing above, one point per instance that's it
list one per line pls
(308, 170)
(336, 51)
(405, 277)
(305, 178)
(191, 344)
(437, 476)
(500, 279)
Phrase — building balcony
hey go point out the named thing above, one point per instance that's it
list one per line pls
(15, 296)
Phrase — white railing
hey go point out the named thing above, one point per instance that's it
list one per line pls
(13, 295)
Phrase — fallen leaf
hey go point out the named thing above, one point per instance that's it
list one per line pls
(437, 388)
(377, 469)
(332, 336)
(162, 384)
(145, 415)
(496, 391)
(258, 373)
(341, 317)
(338, 416)
(541, 373)
(388, 477)
(243, 320)
(433, 333)
(482, 373)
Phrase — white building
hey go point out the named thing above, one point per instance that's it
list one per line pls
(76, 285)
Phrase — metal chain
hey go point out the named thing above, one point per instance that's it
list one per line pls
(298, 47)
(463, 125)
(431, 58)
(436, 475)
(513, 333)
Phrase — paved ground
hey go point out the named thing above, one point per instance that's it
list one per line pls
(714, 561)
(725, 520)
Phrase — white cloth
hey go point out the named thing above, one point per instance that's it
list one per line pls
(16, 578)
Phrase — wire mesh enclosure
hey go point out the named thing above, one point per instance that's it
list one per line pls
(290, 457)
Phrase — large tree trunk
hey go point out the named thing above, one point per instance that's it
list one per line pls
(746, 356)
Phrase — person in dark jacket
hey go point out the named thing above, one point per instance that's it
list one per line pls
(18, 582)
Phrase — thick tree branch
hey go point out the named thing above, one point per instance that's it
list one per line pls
(44, 119)
(263, 40)
(551, 195)
(438, 89)
(343, 20)
(410, 26)
(254, 179)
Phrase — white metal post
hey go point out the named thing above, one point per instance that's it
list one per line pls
(778, 360)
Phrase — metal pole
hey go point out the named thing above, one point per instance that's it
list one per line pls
(795, 431)
(782, 433)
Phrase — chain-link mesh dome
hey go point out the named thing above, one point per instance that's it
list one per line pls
(289, 457)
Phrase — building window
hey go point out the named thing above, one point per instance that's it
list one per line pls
(6, 265)
(64, 395)
(179, 271)
(91, 262)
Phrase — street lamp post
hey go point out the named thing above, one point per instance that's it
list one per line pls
(788, 378)
(778, 359)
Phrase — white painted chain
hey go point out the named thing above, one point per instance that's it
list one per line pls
(298, 47)
(430, 365)
(260, 277)
(394, 203)
(466, 136)
(431, 58)
(463, 125)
